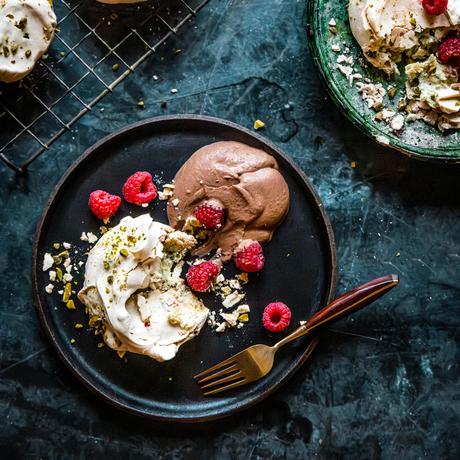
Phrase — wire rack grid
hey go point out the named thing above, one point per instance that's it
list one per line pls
(96, 47)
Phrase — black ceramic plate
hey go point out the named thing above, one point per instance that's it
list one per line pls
(300, 271)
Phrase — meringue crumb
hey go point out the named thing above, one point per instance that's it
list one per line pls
(89, 237)
(49, 288)
(332, 26)
(232, 299)
(48, 261)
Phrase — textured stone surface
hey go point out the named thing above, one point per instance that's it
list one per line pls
(383, 384)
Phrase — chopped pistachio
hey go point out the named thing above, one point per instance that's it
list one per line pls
(173, 321)
(402, 104)
(100, 344)
(21, 24)
(103, 229)
(62, 53)
(72, 341)
(78, 326)
(258, 124)
(124, 252)
(59, 273)
(115, 67)
(110, 279)
(67, 292)
(141, 104)
(106, 265)
(244, 318)
(70, 305)
(56, 246)
(93, 320)
(243, 277)
(28, 53)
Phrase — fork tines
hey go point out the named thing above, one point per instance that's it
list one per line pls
(226, 372)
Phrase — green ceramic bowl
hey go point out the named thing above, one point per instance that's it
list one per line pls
(417, 139)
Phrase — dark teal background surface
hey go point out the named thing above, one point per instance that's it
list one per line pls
(383, 384)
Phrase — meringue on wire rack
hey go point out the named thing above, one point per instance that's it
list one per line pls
(27, 28)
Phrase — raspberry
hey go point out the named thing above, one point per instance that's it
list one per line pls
(435, 7)
(139, 188)
(249, 256)
(200, 276)
(276, 317)
(210, 215)
(103, 205)
(449, 51)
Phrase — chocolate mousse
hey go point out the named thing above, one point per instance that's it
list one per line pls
(244, 181)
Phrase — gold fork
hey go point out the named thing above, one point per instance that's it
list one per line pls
(255, 362)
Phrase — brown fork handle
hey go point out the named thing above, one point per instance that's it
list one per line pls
(344, 305)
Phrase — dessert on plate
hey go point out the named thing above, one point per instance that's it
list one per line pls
(418, 39)
(243, 183)
(133, 285)
(27, 28)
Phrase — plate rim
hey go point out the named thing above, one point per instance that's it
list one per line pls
(309, 22)
(48, 329)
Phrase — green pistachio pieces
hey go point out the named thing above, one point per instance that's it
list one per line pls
(67, 293)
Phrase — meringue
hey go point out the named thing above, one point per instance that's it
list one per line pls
(133, 285)
(26, 29)
(385, 29)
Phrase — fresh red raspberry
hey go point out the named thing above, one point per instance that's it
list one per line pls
(276, 317)
(200, 276)
(449, 51)
(103, 205)
(210, 215)
(435, 7)
(249, 256)
(139, 188)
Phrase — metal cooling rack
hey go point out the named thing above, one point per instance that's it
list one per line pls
(96, 48)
